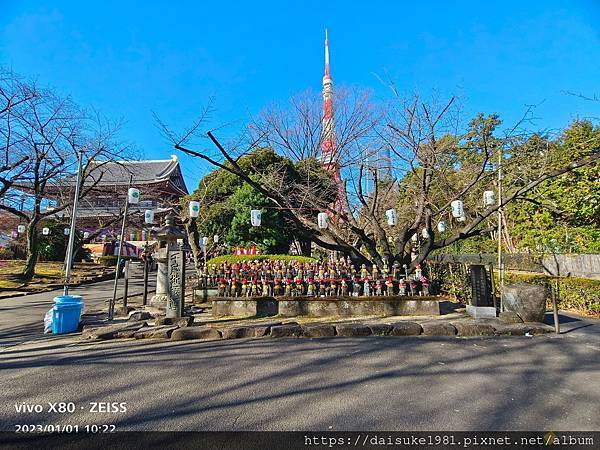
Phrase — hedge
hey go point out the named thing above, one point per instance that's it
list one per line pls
(111, 261)
(231, 259)
(577, 294)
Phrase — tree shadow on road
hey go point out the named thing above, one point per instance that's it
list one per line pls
(369, 383)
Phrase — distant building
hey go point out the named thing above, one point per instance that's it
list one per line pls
(161, 186)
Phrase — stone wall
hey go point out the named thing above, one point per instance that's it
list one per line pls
(327, 306)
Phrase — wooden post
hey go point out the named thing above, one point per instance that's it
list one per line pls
(111, 305)
(126, 285)
(554, 293)
(146, 269)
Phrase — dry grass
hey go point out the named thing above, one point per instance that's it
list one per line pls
(46, 273)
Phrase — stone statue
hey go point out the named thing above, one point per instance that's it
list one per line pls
(375, 272)
(333, 289)
(344, 288)
(378, 287)
(299, 286)
(364, 273)
(277, 287)
(389, 287)
(402, 287)
(288, 288)
(367, 288)
(266, 291)
(310, 291)
(356, 287)
(244, 288)
(221, 288)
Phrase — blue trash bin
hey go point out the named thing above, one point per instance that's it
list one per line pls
(62, 299)
(65, 317)
(70, 300)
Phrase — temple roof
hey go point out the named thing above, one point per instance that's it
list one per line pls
(149, 171)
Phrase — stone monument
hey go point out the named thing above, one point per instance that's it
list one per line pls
(170, 275)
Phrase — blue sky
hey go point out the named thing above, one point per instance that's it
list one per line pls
(127, 59)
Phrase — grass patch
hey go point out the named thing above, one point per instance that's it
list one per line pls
(46, 273)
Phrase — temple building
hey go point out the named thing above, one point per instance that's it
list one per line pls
(161, 187)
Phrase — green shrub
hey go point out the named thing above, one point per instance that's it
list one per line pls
(6, 253)
(111, 261)
(577, 294)
(231, 259)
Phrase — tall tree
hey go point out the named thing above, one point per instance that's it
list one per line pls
(563, 213)
(46, 133)
(433, 162)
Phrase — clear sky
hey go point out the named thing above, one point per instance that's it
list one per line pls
(127, 59)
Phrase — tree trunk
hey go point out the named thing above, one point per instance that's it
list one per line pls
(33, 250)
(305, 247)
(194, 241)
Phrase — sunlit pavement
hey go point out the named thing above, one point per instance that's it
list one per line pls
(374, 383)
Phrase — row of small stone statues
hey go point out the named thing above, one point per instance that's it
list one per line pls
(285, 270)
(235, 287)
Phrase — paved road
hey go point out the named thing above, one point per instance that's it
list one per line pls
(503, 383)
(22, 318)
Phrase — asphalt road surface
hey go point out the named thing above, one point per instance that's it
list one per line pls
(22, 318)
(329, 384)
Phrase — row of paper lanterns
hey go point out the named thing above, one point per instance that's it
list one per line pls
(457, 206)
(133, 196)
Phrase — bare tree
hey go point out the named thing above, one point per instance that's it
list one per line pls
(413, 155)
(44, 135)
(14, 94)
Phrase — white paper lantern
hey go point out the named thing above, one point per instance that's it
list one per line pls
(458, 209)
(255, 217)
(21, 228)
(489, 198)
(441, 227)
(133, 196)
(45, 231)
(194, 209)
(204, 241)
(67, 231)
(392, 217)
(425, 233)
(216, 238)
(323, 220)
(86, 234)
(149, 216)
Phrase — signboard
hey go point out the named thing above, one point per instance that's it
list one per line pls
(480, 286)
(176, 288)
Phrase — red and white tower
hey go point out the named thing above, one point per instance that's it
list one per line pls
(329, 156)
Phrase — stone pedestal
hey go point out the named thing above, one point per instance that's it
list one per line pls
(481, 312)
(159, 300)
